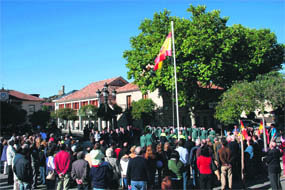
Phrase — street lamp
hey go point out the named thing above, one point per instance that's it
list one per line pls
(89, 113)
(98, 93)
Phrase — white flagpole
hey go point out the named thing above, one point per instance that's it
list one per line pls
(175, 77)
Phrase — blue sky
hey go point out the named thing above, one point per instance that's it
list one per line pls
(46, 43)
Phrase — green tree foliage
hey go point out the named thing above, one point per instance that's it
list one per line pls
(12, 114)
(144, 110)
(67, 114)
(207, 52)
(88, 110)
(268, 89)
(40, 118)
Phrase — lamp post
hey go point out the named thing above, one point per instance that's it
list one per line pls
(114, 119)
(105, 95)
(98, 93)
(89, 113)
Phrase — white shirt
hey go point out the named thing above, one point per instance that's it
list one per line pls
(184, 155)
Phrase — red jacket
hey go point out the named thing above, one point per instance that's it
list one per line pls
(204, 164)
(62, 162)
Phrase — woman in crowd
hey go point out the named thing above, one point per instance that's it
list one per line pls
(123, 167)
(204, 163)
(176, 168)
(151, 164)
(4, 156)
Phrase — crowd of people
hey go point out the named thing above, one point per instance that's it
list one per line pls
(125, 158)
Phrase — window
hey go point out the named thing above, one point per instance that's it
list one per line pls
(61, 106)
(129, 101)
(94, 103)
(76, 105)
(145, 96)
(32, 108)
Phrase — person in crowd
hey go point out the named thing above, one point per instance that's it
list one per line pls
(50, 168)
(235, 153)
(137, 171)
(80, 171)
(226, 168)
(123, 168)
(165, 157)
(35, 162)
(42, 164)
(132, 152)
(62, 163)
(100, 172)
(4, 157)
(143, 140)
(204, 165)
(193, 160)
(159, 162)
(10, 156)
(184, 158)
(23, 170)
(111, 159)
(273, 160)
(249, 161)
(273, 132)
(151, 164)
(282, 147)
(176, 169)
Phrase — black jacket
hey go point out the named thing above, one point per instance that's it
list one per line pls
(137, 170)
(273, 160)
(23, 170)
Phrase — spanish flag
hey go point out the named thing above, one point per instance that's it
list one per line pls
(164, 51)
(243, 130)
(260, 131)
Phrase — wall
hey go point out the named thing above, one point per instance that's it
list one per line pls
(26, 106)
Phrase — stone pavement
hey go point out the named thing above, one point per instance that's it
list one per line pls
(254, 185)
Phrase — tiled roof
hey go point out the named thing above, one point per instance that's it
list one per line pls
(48, 104)
(90, 90)
(23, 96)
(210, 86)
(127, 88)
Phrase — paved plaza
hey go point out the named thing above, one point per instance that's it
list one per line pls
(261, 184)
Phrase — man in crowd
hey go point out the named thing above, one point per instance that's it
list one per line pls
(226, 167)
(137, 173)
(62, 163)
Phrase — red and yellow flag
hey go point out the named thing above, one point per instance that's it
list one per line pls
(243, 130)
(260, 131)
(165, 50)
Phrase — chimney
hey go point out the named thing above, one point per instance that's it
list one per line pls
(62, 89)
(61, 92)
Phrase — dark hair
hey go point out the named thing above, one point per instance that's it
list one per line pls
(205, 151)
(62, 146)
(175, 155)
(181, 142)
(224, 142)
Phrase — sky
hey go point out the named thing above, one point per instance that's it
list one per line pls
(45, 44)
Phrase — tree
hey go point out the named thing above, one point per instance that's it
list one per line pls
(88, 111)
(144, 110)
(40, 118)
(207, 52)
(268, 89)
(67, 114)
(11, 114)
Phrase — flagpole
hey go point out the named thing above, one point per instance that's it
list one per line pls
(175, 77)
